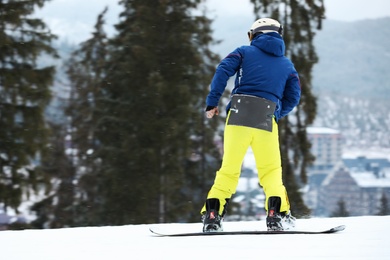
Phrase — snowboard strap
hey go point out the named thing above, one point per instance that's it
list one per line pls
(252, 112)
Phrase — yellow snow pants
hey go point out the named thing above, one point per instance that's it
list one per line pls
(265, 146)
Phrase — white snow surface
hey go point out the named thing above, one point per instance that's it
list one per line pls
(364, 238)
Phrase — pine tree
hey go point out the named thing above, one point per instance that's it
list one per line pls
(153, 111)
(300, 19)
(24, 94)
(143, 122)
(341, 210)
(86, 70)
(384, 209)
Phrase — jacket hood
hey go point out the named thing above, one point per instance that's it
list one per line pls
(271, 43)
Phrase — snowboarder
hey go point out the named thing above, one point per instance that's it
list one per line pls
(266, 89)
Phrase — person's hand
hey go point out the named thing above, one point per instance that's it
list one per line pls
(211, 111)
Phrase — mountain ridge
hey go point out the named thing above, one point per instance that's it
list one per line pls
(353, 58)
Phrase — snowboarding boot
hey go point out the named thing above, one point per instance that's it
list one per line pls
(212, 221)
(276, 220)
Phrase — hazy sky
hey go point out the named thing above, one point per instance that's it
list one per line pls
(74, 19)
(343, 10)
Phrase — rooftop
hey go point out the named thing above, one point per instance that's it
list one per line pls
(370, 180)
(321, 130)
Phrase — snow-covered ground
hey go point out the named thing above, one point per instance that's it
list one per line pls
(364, 238)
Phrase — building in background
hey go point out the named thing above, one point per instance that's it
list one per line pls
(361, 191)
(360, 183)
(327, 146)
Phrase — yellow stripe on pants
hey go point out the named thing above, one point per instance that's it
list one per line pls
(265, 146)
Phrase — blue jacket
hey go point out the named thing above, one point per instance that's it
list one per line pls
(262, 71)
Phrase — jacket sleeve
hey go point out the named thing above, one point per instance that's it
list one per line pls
(226, 69)
(291, 94)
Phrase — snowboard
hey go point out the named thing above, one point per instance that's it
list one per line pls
(291, 232)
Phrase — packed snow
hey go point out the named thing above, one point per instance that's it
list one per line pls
(364, 238)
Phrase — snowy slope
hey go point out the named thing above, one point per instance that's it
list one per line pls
(364, 238)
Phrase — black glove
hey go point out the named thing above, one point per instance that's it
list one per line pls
(208, 108)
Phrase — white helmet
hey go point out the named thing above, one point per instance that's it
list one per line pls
(264, 25)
